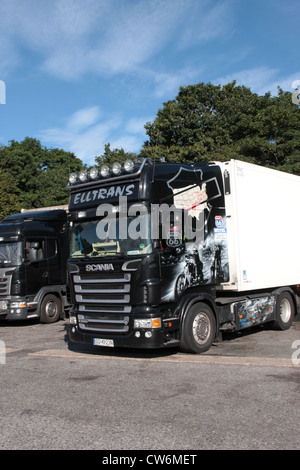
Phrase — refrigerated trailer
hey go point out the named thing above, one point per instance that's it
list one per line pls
(34, 247)
(170, 254)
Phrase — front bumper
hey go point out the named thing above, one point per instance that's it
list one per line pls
(143, 338)
(156, 340)
(17, 309)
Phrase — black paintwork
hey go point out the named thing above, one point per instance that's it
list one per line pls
(35, 276)
(166, 281)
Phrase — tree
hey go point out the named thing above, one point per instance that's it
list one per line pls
(9, 201)
(116, 155)
(20, 160)
(210, 122)
(52, 178)
(40, 175)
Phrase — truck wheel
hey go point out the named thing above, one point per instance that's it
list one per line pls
(198, 329)
(285, 312)
(180, 285)
(50, 309)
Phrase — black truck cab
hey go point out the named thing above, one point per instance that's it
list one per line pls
(142, 242)
(34, 248)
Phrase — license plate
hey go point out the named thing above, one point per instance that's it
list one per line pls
(103, 342)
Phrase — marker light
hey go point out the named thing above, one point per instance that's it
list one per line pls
(73, 178)
(83, 176)
(93, 173)
(116, 168)
(104, 170)
(128, 166)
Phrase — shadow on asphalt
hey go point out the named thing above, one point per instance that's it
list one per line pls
(167, 352)
(117, 352)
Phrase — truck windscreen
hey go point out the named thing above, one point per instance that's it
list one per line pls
(11, 253)
(122, 236)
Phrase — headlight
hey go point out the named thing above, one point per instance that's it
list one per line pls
(93, 173)
(18, 305)
(104, 170)
(83, 176)
(116, 168)
(128, 166)
(147, 323)
(73, 178)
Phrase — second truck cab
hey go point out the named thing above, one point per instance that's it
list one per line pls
(34, 248)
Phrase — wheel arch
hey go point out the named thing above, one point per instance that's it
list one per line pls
(191, 301)
(54, 290)
(291, 291)
(279, 323)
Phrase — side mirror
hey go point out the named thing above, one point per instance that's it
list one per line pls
(32, 252)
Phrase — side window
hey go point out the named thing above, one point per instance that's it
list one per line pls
(35, 250)
(51, 247)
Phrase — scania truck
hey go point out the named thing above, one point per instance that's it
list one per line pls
(169, 254)
(34, 248)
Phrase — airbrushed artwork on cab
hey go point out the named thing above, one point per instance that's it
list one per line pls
(204, 259)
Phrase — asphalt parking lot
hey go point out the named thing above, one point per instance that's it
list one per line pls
(257, 344)
(242, 394)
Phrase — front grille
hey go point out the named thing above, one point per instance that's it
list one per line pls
(103, 298)
(5, 281)
(103, 301)
(104, 323)
(4, 286)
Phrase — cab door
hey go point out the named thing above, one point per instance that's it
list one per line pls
(53, 250)
(36, 263)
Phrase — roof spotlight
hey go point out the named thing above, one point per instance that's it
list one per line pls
(104, 170)
(83, 176)
(128, 166)
(116, 168)
(72, 178)
(93, 173)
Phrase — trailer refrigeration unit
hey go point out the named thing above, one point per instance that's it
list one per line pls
(34, 248)
(172, 254)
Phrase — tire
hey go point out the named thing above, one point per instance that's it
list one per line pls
(285, 312)
(180, 285)
(198, 329)
(50, 309)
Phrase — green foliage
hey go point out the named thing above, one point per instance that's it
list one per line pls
(34, 176)
(9, 200)
(110, 156)
(210, 122)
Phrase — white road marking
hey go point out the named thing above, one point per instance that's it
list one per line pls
(182, 358)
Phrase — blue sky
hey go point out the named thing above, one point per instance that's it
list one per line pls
(80, 74)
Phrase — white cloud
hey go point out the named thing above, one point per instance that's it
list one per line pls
(207, 22)
(86, 132)
(167, 84)
(130, 143)
(261, 80)
(136, 125)
(71, 38)
(84, 118)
